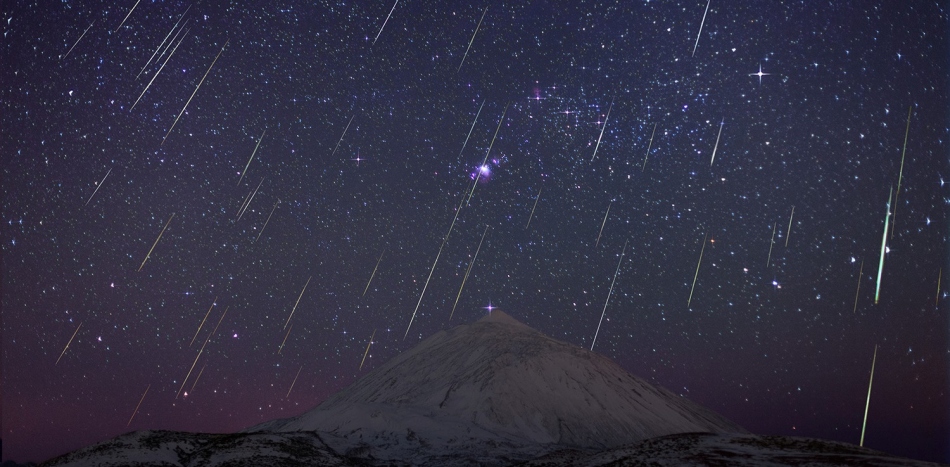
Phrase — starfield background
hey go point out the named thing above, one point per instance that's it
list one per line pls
(298, 183)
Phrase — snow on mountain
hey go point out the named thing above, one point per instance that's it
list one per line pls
(497, 388)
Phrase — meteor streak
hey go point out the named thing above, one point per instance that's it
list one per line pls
(900, 177)
(478, 173)
(97, 187)
(159, 69)
(139, 405)
(213, 332)
(195, 382)
(531, 216)
(371, 276)
(608, 295)
(367, 349)
(880, 266)
(472, 40)
(939, 276)
(690, 300)
(468, 271)
(473, 125)
(248, 203)
(868, 403)
(147, 256)
(341, 136)
(858, 291)
(602, 131)
(602, 224)
(648, 147)
(771, 244)
(77, 40)
(717, 142)
(163, 42)
(431, 270)
(195, 92)
(68, 343)
(789, 232)
(381, 30)
(252, 157)
(295, 381)
(298, 302)
(285, 339)
(203, 321)
(268, 220)
(701, 28)
(126, 16)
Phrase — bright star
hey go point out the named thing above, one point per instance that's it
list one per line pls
(760, 74)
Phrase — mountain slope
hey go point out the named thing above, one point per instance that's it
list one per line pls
(497, 382)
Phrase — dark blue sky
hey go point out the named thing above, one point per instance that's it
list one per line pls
(368, 150)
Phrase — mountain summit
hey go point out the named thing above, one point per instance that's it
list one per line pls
(496, 386)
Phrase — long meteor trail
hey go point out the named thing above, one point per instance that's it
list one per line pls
(159, 70)
(195, 92)
(468, 271)
(341, 136)
(252, 157)
(371, 276)
(98, 187)
(431, 270)
(789, 232)
(857, 292)
(147, 256)
(381, 30)
(368, 344)
(721, 123)
(68, 344)
(602, 224)
(478, 173)
(648, 147)
(616, 273)
(268, 220)
(900, 177)
(77, 40)
(880, 265)
(602, 131)
(771, 244)
(531, 216)
(701, 28)
(690, 300)
(298, 302)
(868, 403)
(472, 128)
(472, 40)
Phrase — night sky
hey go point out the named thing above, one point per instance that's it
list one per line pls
(764, 137)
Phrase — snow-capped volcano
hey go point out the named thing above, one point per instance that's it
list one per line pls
(497, 382)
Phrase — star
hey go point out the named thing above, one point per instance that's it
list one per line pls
(358, 159)
(490, 307)
(760, 74)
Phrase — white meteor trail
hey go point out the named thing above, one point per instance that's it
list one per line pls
(371, 276)
(531, 216)
(77, 40)
(467, 272)
(298, 302)
(159, 70)
(721, 123)
(139, 405)
(243, 172)
(285, 339)
(858, 291)
(251, 198)
(648, 147)
(880, 266)
(170, 31)
(97, 187)
(701, 28)
(195, 92)
(868, 403)
(127, 16)
(602, 224)
(617, 272)
(602, 131)
(268, 220)
(213, 303)
(472, 40)
(341, 136)
(771, 244)
(478, 173)
(901, 175)
(295, 381)
(147, 256)
(472, 128)
(690, 300)
(431, 270)
(68, 344)
(368, 344)
(789, 232)
(384, 22)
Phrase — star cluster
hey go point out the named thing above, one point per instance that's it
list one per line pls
(298, 180)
